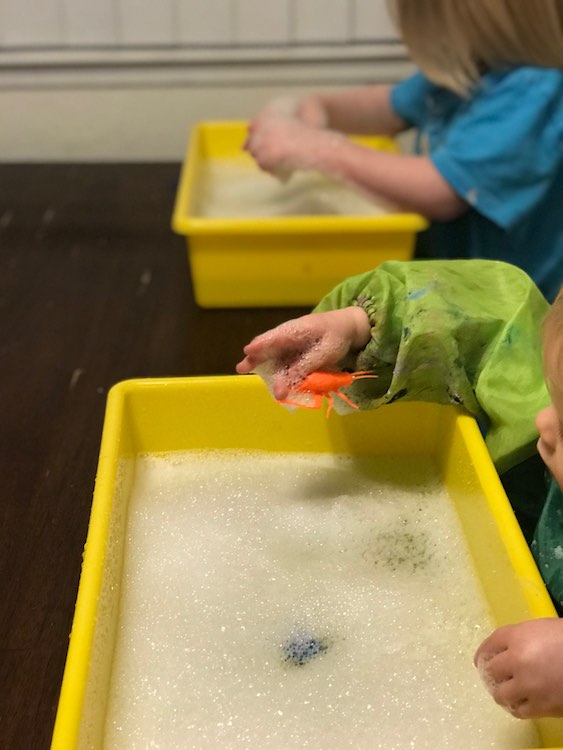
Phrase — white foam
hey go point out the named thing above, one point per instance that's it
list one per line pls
(238, 189)
(231, 556)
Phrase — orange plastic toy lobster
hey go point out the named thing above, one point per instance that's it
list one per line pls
(322, 384)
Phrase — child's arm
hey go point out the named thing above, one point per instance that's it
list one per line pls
(283, 145)
(318, 341)
(522, 665)
(362, 111)
(440, 331)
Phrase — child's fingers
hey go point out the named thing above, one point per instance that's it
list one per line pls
(262, 345)
(245, 366)
(498, 669)
(279, 343)
(304, 366)
(257, 353)
(291, 351)
(265, 347)
(251, 129)
(312, 113)
(491, 646)
(280, 387)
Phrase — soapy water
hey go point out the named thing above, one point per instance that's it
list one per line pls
(238, 189)
(299, 601)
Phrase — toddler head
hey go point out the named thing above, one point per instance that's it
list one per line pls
(454, 41)
(550, 421)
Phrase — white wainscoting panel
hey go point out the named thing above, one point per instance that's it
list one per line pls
(262, 22)
(88, 24)
(314, 22)
(206, 22)
(146, 22)
(371, 21)
(31, 22)
(169, 23)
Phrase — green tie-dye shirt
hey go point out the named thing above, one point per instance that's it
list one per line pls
(467, 333)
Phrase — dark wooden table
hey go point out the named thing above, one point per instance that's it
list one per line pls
(94, 289)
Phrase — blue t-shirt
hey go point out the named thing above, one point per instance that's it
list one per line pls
(501, 150)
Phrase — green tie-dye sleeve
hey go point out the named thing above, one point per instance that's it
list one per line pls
(466, 332)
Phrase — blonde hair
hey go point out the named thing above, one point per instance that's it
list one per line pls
(553, 344)
(454, 41)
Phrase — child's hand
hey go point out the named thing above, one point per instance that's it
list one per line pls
(312, 112)
(522, 666)
(309, 110)
(294, 349)
(284, 145)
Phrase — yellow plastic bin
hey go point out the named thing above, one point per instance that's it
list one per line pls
(236, 412)
(276, 261)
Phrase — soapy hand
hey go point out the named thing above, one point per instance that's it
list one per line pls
(312, 112)
(522, 666)
(282, 145)
(308, 110)
(285, 355)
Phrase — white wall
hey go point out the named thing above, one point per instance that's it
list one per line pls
(79, 23)
(126, 79)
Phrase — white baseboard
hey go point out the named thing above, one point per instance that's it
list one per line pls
(124, 106)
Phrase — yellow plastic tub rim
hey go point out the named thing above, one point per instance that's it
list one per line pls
(275, 260)
(237, 412)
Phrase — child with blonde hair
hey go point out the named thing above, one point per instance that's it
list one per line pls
(487, 104)
(468, 333)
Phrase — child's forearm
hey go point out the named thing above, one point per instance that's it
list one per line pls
(363, 111)
(410, 181)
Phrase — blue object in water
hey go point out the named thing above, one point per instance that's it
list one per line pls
(301, 647)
